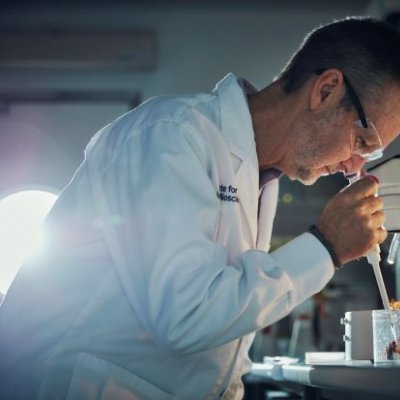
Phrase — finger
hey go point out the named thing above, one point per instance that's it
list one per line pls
(378, 219)
(381, 234)
(372, 204)
(364, 187)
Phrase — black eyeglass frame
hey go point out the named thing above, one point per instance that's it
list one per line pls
(356, 101)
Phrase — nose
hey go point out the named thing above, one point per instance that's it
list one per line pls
(353, 164)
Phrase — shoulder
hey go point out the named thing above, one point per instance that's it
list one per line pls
(185, 110)
(161, 123)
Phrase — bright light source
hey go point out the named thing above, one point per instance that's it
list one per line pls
(21, 217)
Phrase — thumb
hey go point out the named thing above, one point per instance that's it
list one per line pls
(366, 186)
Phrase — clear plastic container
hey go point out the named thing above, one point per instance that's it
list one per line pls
(386, 335)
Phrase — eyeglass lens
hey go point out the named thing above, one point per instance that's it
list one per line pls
(370, 147)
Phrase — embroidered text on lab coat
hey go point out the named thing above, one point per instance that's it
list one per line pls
(228, 193)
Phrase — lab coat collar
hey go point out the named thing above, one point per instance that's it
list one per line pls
(236, 122)
(237, 131)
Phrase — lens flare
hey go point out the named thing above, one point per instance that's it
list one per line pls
(21, 217)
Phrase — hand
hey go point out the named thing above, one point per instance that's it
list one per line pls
(352, 221)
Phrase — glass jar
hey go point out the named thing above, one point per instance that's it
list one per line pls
(386, 335)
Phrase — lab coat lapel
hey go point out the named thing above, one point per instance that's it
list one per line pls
(237, 130)
(266, 215)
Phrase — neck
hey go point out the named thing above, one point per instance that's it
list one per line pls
(272, 124)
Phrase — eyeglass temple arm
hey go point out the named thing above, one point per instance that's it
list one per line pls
(356, 101)
(353, 97)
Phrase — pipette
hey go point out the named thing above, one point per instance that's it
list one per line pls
(374, 258)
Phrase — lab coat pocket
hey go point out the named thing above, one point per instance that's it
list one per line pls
(96, 379)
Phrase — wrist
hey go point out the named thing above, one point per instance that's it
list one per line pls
(314, 230)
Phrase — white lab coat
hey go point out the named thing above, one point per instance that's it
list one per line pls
(158, 272)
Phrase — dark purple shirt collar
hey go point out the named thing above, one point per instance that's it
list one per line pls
(268, 175)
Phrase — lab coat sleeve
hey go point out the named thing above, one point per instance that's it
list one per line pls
(159, 210)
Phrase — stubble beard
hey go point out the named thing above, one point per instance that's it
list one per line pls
(305, 176)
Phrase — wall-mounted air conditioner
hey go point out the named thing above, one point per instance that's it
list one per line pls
(78, 49)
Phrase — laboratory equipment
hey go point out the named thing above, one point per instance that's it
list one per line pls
(388, 173)
(359, 325)
(358, 335)
(386, 335)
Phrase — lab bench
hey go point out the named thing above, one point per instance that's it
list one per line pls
(353, 381)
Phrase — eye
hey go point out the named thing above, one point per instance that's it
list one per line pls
(360, 143)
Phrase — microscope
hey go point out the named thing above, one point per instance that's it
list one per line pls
(388, 173)
(358, 324)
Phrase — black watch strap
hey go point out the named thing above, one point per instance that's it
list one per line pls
(313, 229)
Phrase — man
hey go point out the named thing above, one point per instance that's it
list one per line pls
(157, 273)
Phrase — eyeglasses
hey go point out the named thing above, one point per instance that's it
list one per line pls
(365, 138)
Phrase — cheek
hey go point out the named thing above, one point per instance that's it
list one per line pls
(328, 143)
(325, 153)
(335, 138)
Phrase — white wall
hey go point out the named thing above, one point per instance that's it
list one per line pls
(197, 46)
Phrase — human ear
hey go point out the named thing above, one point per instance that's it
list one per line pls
(327, 88)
